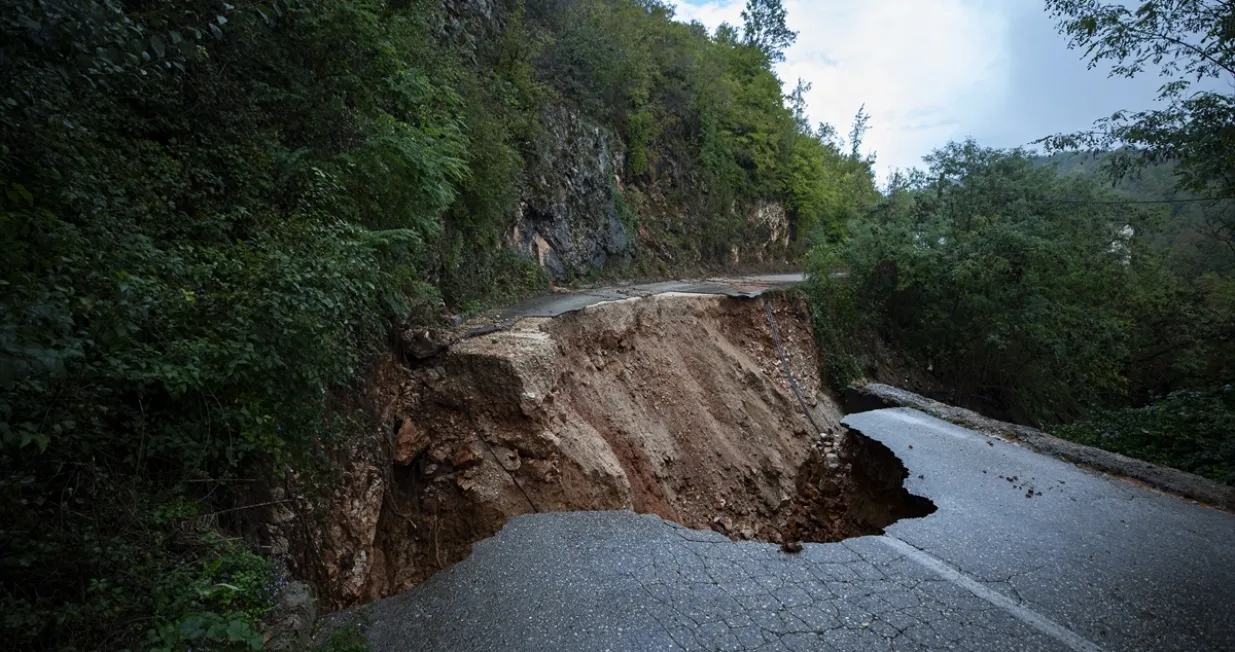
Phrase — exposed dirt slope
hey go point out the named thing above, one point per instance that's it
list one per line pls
(674, 404)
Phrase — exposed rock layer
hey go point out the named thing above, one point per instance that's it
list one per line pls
(568, 219)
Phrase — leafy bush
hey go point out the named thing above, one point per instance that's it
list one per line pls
(229, 596)
(836, 320)
(1188, 429)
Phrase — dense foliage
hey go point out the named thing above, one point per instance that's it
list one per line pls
(1010, 296)
(1029, 294)
(1190, 44)
(1186, 429)
(1191, 228)
(706, 125)
(1090, 287)
(213, 214)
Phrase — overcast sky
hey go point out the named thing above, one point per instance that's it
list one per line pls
(930, 71)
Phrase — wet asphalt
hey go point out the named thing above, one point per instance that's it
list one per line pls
(1025, 552)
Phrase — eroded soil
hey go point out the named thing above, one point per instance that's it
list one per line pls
(674, 404)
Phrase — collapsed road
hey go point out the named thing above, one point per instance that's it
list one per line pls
(931, 536)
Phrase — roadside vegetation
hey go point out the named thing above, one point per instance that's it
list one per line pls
(1090, 292)
(213, 216)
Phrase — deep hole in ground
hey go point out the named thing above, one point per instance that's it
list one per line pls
(858, 492)
(675, 405)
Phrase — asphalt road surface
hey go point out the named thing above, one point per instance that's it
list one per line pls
(560, 303)
(1024, 553)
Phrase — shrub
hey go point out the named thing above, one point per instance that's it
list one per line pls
(1189, 430)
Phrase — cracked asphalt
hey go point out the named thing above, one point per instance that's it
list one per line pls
(1024, 553)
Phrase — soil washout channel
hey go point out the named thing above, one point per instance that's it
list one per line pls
(675, 405)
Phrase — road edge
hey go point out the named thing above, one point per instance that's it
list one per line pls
(873, 396)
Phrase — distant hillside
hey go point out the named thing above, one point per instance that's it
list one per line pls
(1183, 228)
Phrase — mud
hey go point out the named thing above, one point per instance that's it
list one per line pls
(674, 404)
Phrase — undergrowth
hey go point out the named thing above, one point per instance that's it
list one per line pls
(348, 639)
(836, 321)
(1188, 430)
(219, 602)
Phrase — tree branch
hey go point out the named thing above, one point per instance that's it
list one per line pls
(1183, 44)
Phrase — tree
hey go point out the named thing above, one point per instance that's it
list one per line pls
(765, 28)
(1191, 43)
(797, 104)
(861, 124)
(978, 270)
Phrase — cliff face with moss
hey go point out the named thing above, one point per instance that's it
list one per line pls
(649, 146)
(577, 216)
(569, 219)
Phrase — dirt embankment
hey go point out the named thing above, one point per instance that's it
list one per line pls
(675, 405)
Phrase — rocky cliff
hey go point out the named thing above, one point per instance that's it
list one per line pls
(568, 218)
(579, 207)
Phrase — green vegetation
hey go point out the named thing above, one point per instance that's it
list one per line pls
(1190, 44)
(707, 129)
(1186, 429)
(1012, 298)
(212, 215)
(1184, 149)
(1190, 229)
(348, 639)
(1094, 289)
(1039, 297)
(234, 589)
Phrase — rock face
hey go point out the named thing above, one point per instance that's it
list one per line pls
(573, 216)
(768, 225)
(568, 219)
(410, 442)
(468, 22)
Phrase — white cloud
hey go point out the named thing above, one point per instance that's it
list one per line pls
(923, 69)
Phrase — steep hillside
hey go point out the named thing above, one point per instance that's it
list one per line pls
(214, 214)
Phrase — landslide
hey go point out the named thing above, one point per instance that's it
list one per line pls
(675, 405)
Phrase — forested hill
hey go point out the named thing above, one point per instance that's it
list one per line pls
(1191, 229)
(214, 213)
